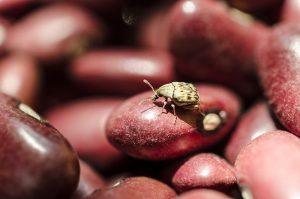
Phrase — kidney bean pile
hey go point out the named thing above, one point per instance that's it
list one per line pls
(77, 120)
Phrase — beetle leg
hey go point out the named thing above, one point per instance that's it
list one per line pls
(163, 107)
(174, 112)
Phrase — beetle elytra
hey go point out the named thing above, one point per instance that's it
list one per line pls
(181, 94)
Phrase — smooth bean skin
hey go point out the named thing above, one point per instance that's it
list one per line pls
(127, 67)
(268, 166)
(40, 32)
(140, 129)
(136, 188)
(290, 11)
(36, 160)
(204, 170)
(83, 122)
(279, 71)
(19, 77)
(152, 31)
(89, 182)
(203, 194)
(222, 53)
(255, 122)
(4, 26)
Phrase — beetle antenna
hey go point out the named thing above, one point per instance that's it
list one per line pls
(148, 83)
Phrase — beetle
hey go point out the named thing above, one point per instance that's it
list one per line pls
(180, 94)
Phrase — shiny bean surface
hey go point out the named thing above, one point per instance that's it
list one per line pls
(273, 169)
(204, 170)
(136, 188)
(145, 130)
(31, 151)
(255, 122)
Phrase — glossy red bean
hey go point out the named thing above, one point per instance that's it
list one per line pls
(203, 194)
(222, 53)
(83, 122)
(19, 77)
(36, 160)
(279, 71)
(255, 122)
(89, 182)
(204, 170)
(136, 188)
(140, 129)
(268, 166)
(290, 11)
(122, 70)
(55, 31)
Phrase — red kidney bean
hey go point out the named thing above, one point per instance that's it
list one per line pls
(152, 31)
(136, 188)
(279, 72)
(222, 53)
(203, 194)
(290, 10)
(54, 32)
(89, 182)
(268, 166)
(83, 122)
(127, 67)
(36, 160)
(204, 170)
(255, 122)
(19, 77)
(140, 129)
(4, 26)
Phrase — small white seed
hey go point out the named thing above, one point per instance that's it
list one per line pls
(211, 122)
(26, 109)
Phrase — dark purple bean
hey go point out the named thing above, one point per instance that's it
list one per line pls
(140, 129)
(36, 160)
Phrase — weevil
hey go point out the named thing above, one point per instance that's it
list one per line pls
(180, 94)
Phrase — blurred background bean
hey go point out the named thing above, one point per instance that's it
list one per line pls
(128, 67)
(255, 122)
(272, 171)
(81, 65)
(83, 123)
(20, 77)
(36, 160)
